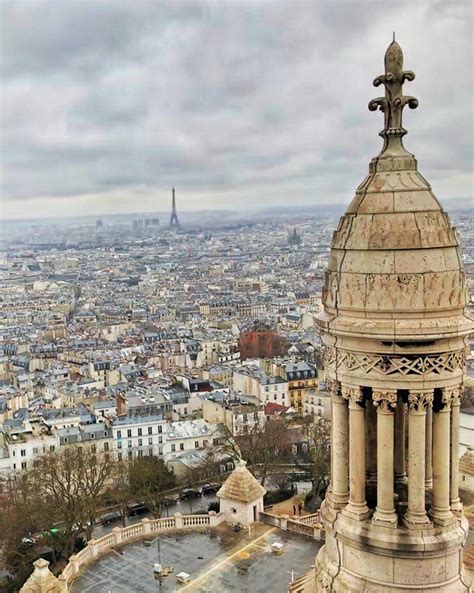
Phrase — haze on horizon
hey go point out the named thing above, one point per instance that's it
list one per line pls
(105, 106)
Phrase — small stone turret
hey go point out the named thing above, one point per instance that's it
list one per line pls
(241, 496)
(42, 580)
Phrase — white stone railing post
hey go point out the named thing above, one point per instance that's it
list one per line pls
(284, 522)
(146, 526)
(117, 531)
(178, 517)
(93, 548)
(74, 564)
(63, 581)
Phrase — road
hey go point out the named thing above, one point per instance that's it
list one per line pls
(185, 508)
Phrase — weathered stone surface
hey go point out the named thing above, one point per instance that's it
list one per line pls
(394, 327)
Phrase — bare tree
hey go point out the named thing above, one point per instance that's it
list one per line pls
(260, 446)
(149, 480)
(71, 482)
(119, 492)
(21, 517)
(318, 435)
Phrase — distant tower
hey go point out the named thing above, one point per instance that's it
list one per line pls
(174, 222)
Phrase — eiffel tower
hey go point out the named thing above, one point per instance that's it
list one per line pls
(174, 222)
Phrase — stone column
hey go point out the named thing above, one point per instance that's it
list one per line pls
(357, 507)
(339, 449)
(371, 442)
(429, 448)
(385, 402)
(400, 470)
(418, 401)
(440, 509)
(456, 504)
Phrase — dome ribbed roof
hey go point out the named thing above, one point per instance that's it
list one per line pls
(395, 268)
(241, 485)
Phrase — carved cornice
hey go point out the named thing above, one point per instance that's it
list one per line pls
(390, 364)
(384, 401)
(353, 395)
(418, 401)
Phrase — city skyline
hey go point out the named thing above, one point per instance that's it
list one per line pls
(239, 107)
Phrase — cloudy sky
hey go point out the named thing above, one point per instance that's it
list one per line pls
(105, 105)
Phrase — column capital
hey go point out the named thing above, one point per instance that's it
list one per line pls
(451, 396)
(353, 395)
(334, 386)
(418, 401)
(384, 400)
(335, 389)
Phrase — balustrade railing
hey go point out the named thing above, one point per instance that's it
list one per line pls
(120, 536)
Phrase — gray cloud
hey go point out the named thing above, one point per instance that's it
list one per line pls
(231, 102)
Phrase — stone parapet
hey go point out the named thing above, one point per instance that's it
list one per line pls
(124, 535)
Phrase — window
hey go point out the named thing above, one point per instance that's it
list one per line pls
(52, 447)
(160, 429)
(150, 440)
(140, 442)
(196, 444)
(181, 446)
(160, 450)
(130, 454)
(173, 448)
(119, 445)
(14, 453)
(129, 432)
(140, 432)
(23, 465)
(140, 453)
(106, 446)
(35, 450)
(120, 456)
(129, 445)
(23, 453)
(92, 436)
(150, 430)
(119, 434)
(160, 439)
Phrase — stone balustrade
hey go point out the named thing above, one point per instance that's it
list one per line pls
(124, 535)
(308, 525)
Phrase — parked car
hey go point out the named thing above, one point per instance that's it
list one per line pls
(136, 508)
(30, 540)
(190, 493)
(111, 517)
(210, 488)
(170, 500)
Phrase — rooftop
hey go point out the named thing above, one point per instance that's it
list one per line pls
(222, 560)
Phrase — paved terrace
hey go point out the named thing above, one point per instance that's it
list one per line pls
(219, 561)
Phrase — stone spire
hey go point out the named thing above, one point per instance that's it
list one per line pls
(394, 101)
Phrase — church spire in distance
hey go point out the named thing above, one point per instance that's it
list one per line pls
(394, 101)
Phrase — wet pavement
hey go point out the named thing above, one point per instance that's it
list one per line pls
(219, 561)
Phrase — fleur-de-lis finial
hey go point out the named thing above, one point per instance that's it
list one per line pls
(394, 101)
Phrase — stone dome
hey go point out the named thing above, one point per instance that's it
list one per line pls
(395, 269)
(241, 485)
